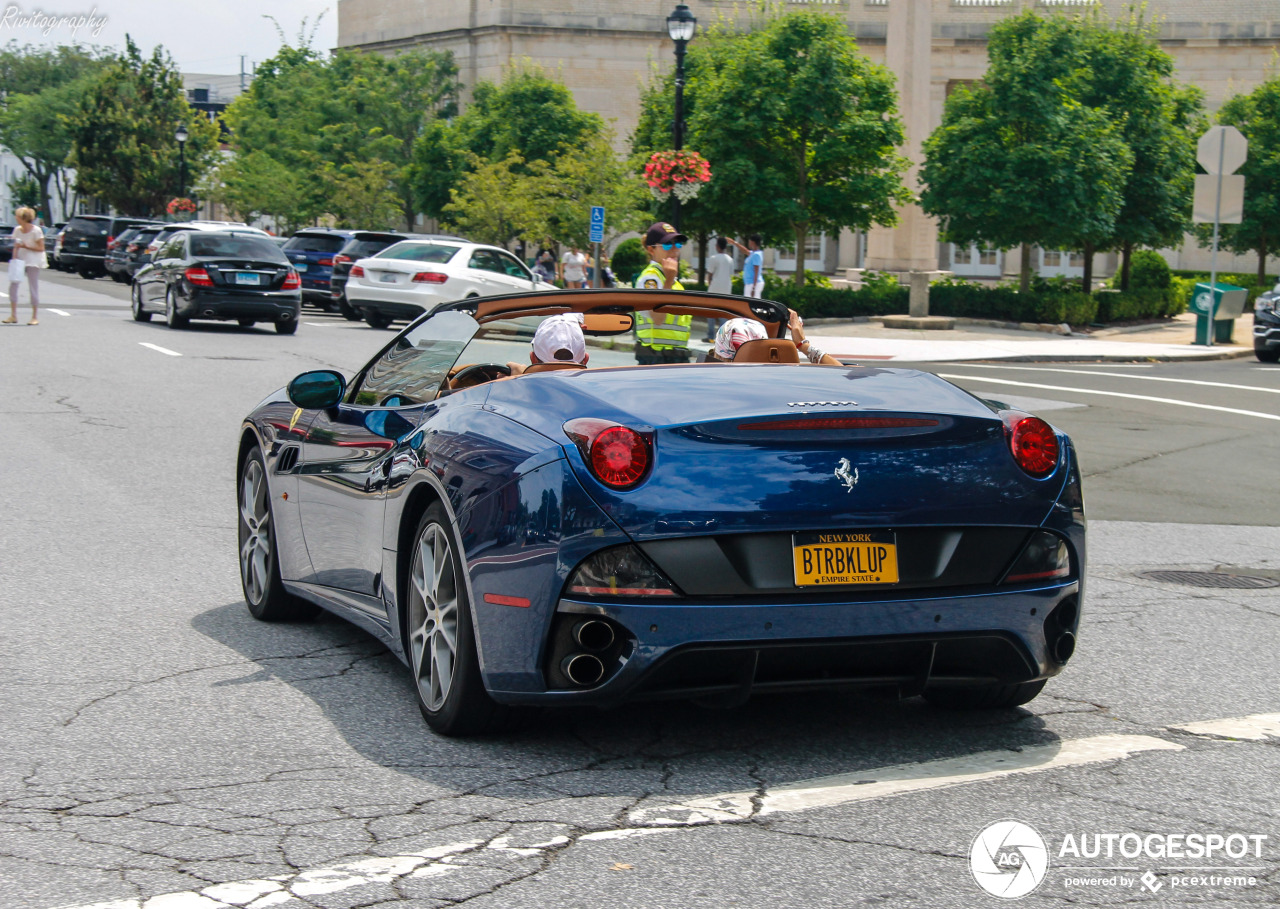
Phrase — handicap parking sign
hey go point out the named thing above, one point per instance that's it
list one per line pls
(597, 224)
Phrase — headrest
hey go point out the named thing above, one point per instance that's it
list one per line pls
(768, 350)
(549, 367)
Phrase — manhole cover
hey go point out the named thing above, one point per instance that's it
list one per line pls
(1210, 579)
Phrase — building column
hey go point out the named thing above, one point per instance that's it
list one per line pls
(913, 244)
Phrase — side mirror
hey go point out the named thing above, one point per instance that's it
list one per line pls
(318, 389)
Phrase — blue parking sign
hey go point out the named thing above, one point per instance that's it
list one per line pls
(597, 224)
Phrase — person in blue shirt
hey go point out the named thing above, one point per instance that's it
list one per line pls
(753, 267)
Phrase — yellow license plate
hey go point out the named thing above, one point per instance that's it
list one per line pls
(845, 558)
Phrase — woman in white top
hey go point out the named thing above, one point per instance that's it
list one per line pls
(28, 258)
(574, 268)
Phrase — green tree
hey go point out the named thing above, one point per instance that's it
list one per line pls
(256, 184)
(363, 194)
(530, 115)
(341, 116)
(122, 131)
(499, 201)
(25, 190)
(1131, 77)
(42, 87)
(795, 119)
(1257, 116)
(1019, 159)
(592, 174)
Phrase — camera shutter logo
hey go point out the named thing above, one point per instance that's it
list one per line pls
(1008, 859)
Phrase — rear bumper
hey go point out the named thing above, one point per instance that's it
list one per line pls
(705, 650)
(80, 259)
(398, 311)
(269, 306)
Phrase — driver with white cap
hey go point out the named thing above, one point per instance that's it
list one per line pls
(558, 340)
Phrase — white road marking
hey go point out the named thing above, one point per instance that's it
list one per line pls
(823, 792)
(1114, 394)
(1125, 375)
(888, 781)
(319, 324)
(58, 312)
(1254, 728)
(158, 348)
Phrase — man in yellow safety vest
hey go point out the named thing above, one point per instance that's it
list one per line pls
(664, 339)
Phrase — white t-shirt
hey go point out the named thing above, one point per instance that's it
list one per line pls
(720, 271)
(575, 266)
(24, 244)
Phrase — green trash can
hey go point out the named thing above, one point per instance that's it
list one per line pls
(1223, 306)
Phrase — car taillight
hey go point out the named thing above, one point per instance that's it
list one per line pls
(152, 247)
(623, 571)
(818, 423)
(325, 262)
(132, 247)
(430, 277)
(1032, 441)
(340, 260)
(356, 272)
(198, 276)
(1044, 558)
(618, 455)
(291, 281)
(111, 242)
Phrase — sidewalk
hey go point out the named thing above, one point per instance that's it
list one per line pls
(864, 341)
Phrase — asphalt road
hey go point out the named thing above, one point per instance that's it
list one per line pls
(160, 749)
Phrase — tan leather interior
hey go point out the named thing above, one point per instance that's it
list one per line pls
(548, 367)
(767, 350)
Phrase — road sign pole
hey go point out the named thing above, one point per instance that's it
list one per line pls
(595, 257)
(1213, 258)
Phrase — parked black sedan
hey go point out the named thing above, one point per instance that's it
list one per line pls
(222, 275)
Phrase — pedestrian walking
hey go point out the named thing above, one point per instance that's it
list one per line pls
(753, 267)
(664, 339)
(28, 259)
(573, 268)
(720, 273)
(545, 266)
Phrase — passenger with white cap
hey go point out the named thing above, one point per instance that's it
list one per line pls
(558, 340)
(736, 332)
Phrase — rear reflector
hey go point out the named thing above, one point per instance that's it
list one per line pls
(622, 571)
(837, 423)
(498, 599)
(1044, 558)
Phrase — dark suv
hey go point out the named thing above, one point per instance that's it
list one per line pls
(311, 251)
(85, 239)
(362, 245)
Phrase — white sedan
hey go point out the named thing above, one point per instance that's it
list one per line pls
(412, 276)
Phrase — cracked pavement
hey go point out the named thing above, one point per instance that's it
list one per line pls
(162, 750)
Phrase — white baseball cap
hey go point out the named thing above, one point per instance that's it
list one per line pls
(559, 340)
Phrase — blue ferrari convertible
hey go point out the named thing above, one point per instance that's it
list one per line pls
(581, 535)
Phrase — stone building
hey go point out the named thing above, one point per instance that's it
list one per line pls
(604, 51)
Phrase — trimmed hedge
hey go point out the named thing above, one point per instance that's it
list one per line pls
(1051, 302)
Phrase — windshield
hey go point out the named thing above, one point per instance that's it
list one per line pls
(413, 369)
(436, 253)
(236, 247)
(314, 243)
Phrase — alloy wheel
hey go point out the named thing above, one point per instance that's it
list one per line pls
(433, 616)
(255, 521)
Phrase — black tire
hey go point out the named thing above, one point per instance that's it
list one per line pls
(1267, 356)
(347, 312)
(264, 592)
(377, 320)
(466, 708)
(287, 327)
(135, 304)
(984, 697)
(88, 273)
(119, 278)
(171, 317)
(246, 323)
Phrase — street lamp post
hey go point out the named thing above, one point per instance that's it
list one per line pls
(181, 135)
(680, 26)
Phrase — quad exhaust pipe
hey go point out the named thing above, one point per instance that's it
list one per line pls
(1064, 646)
(593, 634)
(583, 669)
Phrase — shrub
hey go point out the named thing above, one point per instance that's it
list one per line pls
(629, 259)
(1148, 271)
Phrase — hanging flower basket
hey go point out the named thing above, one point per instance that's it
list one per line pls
(181, 206)
(679, 172)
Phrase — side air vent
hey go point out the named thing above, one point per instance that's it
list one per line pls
(287, 460)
